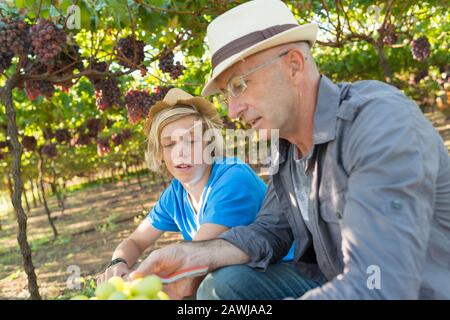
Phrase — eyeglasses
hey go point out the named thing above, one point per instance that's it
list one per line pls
(237, 85)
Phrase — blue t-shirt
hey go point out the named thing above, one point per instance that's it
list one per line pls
(232, 197)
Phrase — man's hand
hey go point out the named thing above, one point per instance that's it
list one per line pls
(169, 260)
(119, 270)
(165, 262)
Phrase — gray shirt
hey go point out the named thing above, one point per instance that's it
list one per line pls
(302, 182)
(379, 218)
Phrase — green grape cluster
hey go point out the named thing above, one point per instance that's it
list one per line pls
(148, 288)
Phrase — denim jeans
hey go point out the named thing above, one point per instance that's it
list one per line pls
(241, 282)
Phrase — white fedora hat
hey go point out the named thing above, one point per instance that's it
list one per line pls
(250, 28)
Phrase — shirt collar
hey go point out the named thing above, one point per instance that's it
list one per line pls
(328, 100)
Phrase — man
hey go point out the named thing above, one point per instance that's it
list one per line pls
(363, 187)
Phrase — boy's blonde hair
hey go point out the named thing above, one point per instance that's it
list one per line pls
(153, 154)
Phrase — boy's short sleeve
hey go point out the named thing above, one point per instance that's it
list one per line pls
(235, 199)
(161, 216)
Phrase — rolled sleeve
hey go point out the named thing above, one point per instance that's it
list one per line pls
(392, 159)
(268, 238)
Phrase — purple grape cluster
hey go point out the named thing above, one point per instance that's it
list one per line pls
(94, 126)
(48, 40)
(420, 75)
(107, 93)
(131, 49)
(126, 134)
(388, 34)
(63, 135)
(167, 65)
(80, 139)
(103, 146)
(117, 139)
(6, 144)
(166, 62)
(120, 137)
(390, 39)
(14, 37)
(49, 150)
(99, 66)
(5, 61)
(36, 88)
(160, 92)
(138, 103)
(420, 48)
(29, 143)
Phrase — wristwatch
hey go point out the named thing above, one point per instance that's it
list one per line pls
(116, 261)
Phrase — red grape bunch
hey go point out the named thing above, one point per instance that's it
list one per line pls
(160, 92)
(107, 94)
(49, 150)
(5, 144)
(99, 66)
(167, 65)
(107, 91)
(5, 61)
(138, 103)
(94, 126)
(390, 39)
(117, 139)
(126, 134)
(14, 37)
(36, 88)
(420, 48)
(63, 135)
(420, 75)
(48, 40)
(29, 143)
(130, 52)
(80, 139)
(103, 146)
(388, 34)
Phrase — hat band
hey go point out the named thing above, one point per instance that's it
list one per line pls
(247, 41)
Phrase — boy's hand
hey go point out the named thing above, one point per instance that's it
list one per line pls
(119, 270)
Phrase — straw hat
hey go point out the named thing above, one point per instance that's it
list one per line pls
(175, 97)
(250, 28)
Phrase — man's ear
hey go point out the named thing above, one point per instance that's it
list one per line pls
(296, 62)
